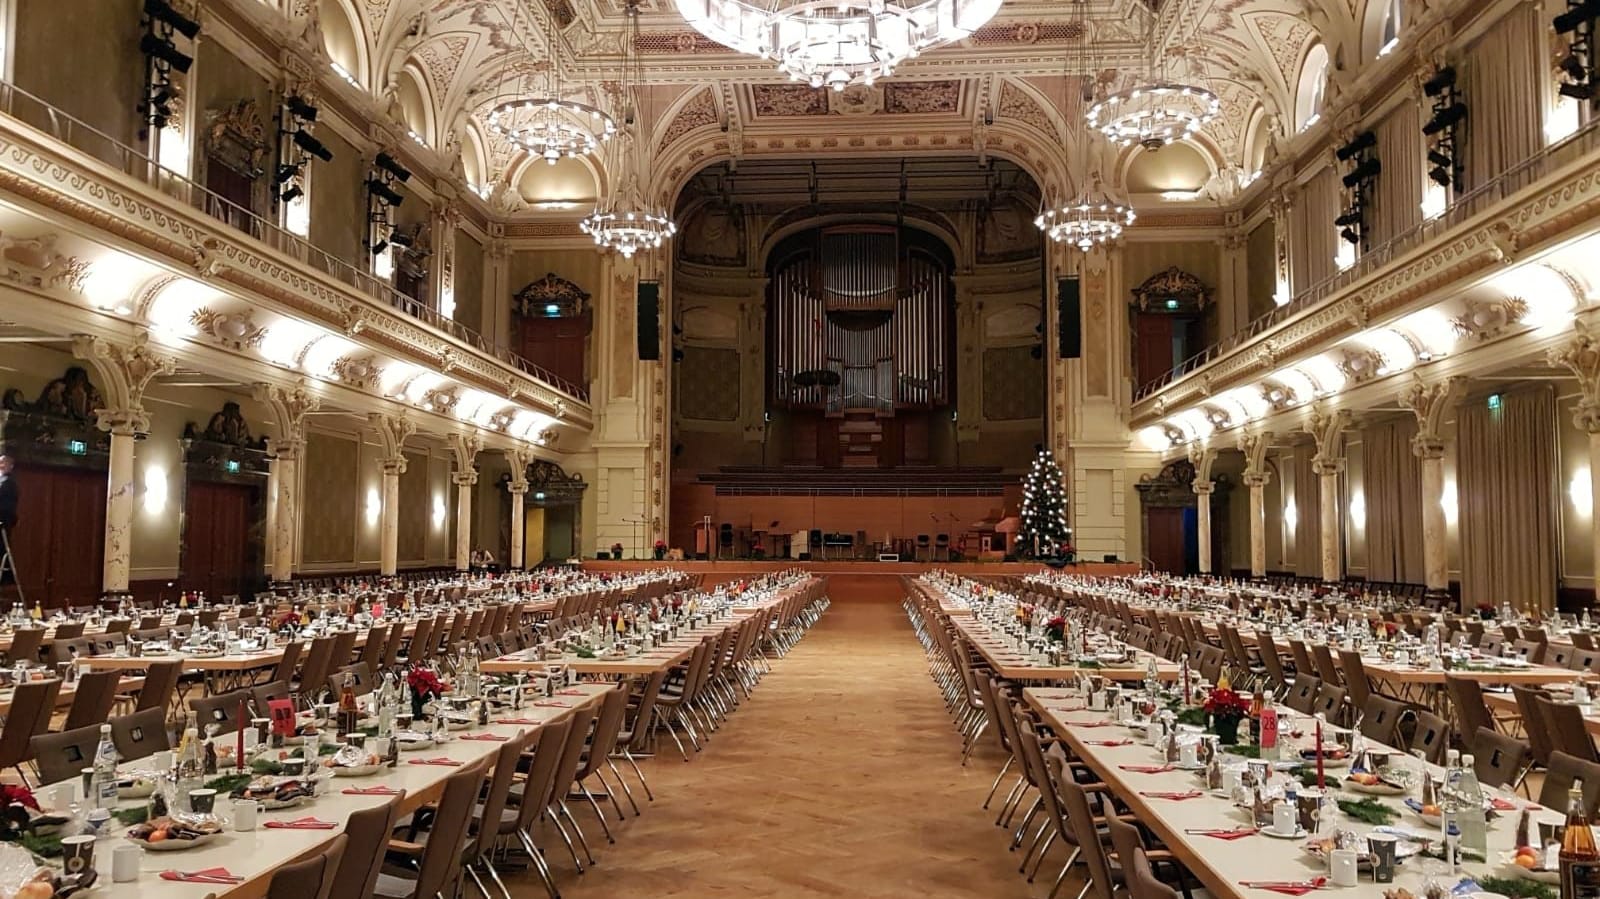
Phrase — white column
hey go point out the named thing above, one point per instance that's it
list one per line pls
(465, 481)
(1258, 523)
(1202, 498)
(119, 511)
(519, 493)
(286, 472)
(389, 533)
(1435, 538)
(1328, 471)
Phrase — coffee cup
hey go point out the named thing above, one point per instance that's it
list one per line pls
(1342, 867)
(1285, 818)
(125, 864)
(1308, 804)
(202, 801)
(1382, 846)
(77, 853)
(244, 814)
(1189, 755)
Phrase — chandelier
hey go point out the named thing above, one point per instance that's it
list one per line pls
(1085, 223)
(624, 222)
(836, 43)
(552, 128)
(1154, 115)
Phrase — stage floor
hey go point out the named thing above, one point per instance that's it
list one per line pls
(851, 581)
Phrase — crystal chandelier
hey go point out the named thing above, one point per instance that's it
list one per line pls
(552, 127)
(837, 42)
(623, 221)
(1154, 115)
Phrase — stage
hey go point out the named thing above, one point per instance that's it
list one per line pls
(858, 581)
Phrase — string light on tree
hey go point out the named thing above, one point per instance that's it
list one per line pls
(1043, 532)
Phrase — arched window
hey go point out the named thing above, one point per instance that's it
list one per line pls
(1389, 35)
(1309, 88)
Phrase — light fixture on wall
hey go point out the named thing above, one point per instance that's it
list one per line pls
(439, 511)
(155, 489)
(1358, 509)
(1447, 502)
(1581, 491)
(1291, 516)
(374, 505)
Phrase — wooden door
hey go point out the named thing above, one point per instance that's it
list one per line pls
(1164, 534)
(216, 553)
(59, 541)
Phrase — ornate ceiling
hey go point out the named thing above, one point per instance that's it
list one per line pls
(462, 56)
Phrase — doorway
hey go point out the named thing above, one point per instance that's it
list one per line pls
(559, 540)
(218, 555)
(59, 541)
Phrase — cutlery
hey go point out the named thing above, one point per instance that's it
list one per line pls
(1171, 794)
(1222, 834)
(488, 738)
(438, 761)
(209, 875)
(1146, 769)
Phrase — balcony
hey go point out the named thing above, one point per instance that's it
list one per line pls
(46, 153)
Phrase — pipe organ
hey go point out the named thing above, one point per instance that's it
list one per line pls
(860, 321)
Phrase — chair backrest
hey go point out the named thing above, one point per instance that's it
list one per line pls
(362, 679)
(442, 856)
(308, 878)
(1531, 650)
(1558, 777)
(314, 672)
(1564, 724)
(141, 734)
(69, 650)
(25, 644)
(1303, 695)
(606, 727)
(1142, 881)
(344, 649)
(1303, 663)
(1472, 713)
(160, 683)
(1355, 677)
(1380, 717)
(421, 648)
(644, 709)
(1125, 840)
(1329, 703)
(1431, 736)
(1539, 740)
(220, 711)
(1498, 759)
(549, 744)
(286, 665)
(577, 740)
(1492, 643)
(1270, 659)
(391, 646)
(64, 755)
(1327, 668)
(1075, 802)
(262, 696)
(69, 630)
(368, 830)
(31, 705)
(497, 793)
(93, 696)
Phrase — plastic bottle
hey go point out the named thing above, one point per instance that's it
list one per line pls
(105, 770)
(1474, 827)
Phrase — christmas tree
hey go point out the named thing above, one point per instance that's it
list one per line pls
(1044, 528)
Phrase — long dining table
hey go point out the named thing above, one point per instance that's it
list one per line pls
(254, 855)
(1222, 865)
(1011, 664)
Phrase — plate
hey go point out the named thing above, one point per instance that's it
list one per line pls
(1300, 833)
(1511, 869)
(355, 770)
(139, 789)
(171, 845)
(415, 745)
(1378, 789)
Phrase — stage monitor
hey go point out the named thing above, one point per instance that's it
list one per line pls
(1069, 321)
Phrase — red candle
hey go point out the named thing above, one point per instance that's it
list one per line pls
(1321, 785)
(238, 758)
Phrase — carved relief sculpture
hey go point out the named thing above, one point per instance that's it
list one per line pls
(236, 136)
(1163, 287)
(536, 297)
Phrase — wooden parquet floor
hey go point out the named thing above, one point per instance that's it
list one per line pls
(841, 777)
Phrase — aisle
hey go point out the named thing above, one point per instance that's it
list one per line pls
(840, 778)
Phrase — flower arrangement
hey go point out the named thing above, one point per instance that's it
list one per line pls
(1024, 613)
(285, 619)
(16, 794)
(1056, 629)
(660, 550)
(424, 683)
(1227, 708)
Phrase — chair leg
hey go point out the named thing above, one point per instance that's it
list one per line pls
(555, 818)
(626, 790)
(564, 810)
(628, 754)
(994, 787)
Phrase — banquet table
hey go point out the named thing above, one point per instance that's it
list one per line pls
(664, 655)
(254, 855)
(1012, 665)
(1222, 865)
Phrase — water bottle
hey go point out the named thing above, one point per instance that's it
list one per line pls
(105, 770)
(1474, 828)
(1451, 809)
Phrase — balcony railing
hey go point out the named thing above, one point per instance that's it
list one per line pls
(1551, 157)
(36, 113)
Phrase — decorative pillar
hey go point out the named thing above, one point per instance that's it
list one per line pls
(393, 432)
(125, 372)
(1202, 456)
(465, 448)
(1256, 476)
(1282, 203)
(1327, 429)
(443, 272)
(289, 408)
(1429, 402)
(518, 460)
(1581, 355)
(1233, 291)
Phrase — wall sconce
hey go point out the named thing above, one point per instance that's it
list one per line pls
(1358, 510)
(374, 505)
(438, 512)
(1290, 516)
(155, 490)
(1581, 491)
(1447, 501)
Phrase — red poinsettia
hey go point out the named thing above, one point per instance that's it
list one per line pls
(425, 683)
(16, 794)
(1056, 628)
(1223, 703)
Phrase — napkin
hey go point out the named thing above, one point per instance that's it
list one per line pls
(1087, 723)
(1286, 887)
(1503, 805)
(487, 738)
(1146, 769)
(1108, 742)
(569, 692)
(444, 761)
(1171, 794)
(371, 791)
(209, 875)
(1224, 834)
(551, 704)
(302, 824)
(518, 720)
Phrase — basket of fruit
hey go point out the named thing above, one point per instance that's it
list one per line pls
(1528, 863)
(275, 792)
(1384, 784)
(175, 833)
(353, 761)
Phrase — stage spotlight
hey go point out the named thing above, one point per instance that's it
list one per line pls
(313, 146)
(379, 247)
(163, 12)
(1439, 159)
(285, 172)
(300, 109)
(163, 51)
(1575, 16)
(1350, 236)
(1445, 118)
(384, 193)
(1353, 217)
(400, 238)
(1368, 168)
(1442, 80)
(1440, 175)
(1574, 68)
(1360, 142)
(294, 192)
(387, 163)
(1577, 91)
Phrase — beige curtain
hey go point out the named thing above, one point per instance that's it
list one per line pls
(1397, 195)
(1311, 233)
(1393, 496)
(1506, 484)
(1308, 515)
(1501, 84)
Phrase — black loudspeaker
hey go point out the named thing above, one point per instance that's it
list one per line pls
(649, 328)
(1069, 320)
(1111, 557)
(725, 535)
(805, 557)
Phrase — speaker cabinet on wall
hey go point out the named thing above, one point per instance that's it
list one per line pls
(649, 327)
(1069, 320)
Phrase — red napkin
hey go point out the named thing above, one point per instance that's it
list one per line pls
(552, 704)
(371, 791)
(487, 738)
(1108, 742)
(1146, 769)
(569, 693)
(1503, 805)
(302, 824)
(209, 875)
(443, 761)
(518, 720)
(1234, 834)
(1286, 887)
(1171, 794)
(1087, 723)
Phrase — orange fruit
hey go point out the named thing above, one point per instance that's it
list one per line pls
(156, 836)
(1527, 861)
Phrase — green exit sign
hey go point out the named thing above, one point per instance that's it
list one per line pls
(233, 466)
(78, 447)
(1494, 401)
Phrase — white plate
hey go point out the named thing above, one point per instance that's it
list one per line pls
(175, 845)
(1377, 789)
(415, 745)
(356, 770)
(1512, 869)
(1299, 834)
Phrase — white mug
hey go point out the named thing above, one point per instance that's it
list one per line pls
(1230, 779)
(1342, 866)
(1285, 818)
(244, 814)
(1189, 754)
(63, 794)
(1097, 700)
(125, 864)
